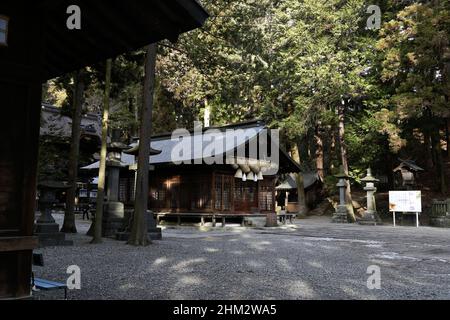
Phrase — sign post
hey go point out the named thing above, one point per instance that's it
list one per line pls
(405, 201)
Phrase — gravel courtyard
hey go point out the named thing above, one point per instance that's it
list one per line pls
(312, 259)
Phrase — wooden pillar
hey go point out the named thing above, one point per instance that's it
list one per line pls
(139, 234)
(286, 201)
(20, 94)
(275, 200)
(213, 191)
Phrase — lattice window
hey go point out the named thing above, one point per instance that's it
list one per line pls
(266, 199)
(218, 192)
(132, 188)
(238, 191)
(227, 189)
(123, 190)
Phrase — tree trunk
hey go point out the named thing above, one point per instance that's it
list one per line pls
(327, 150)
(102, 169)
(303, 151)
(207, 115)
(439, 162)
(447, 138)
(136, 118)
(301, 196)
(319, 152)
(69, 225)
(344, 161)
(429, 156)
(312, 148)
(389, 164)
(139, 235)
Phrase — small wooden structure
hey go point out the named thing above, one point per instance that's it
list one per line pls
(406, 174)
(440, 213)
(287, 193)
(40, 47)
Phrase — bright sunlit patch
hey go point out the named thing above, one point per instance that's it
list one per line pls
(160, 261)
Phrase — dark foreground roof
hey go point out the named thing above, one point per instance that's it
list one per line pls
(108, 28)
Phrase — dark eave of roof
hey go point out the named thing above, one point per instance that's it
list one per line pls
(240, 125)
(110, 28)
(134, 150)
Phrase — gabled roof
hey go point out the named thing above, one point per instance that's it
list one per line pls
(164, 143)
(55, 124)
(409, 164)
(290, 182)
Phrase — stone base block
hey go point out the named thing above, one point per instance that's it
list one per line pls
(340, 216)
(46, 228)
(271, 220)
(113, 219)
(153, 233)
(256, 222)
(53, 239)
(440, 222)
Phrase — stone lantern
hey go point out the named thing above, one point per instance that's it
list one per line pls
(370, 215)
(340, 216)
(113, 209)
(46, 229)
(153, 231)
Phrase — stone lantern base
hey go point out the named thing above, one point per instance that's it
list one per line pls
(113, 219)
(47, 231)
(370, 219)
(271, 220)
(154, 233)
(340, 216)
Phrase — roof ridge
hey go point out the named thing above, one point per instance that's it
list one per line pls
(243, 125)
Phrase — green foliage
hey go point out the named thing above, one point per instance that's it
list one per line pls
(292, 63)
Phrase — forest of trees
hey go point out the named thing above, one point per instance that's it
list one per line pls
(341, 93)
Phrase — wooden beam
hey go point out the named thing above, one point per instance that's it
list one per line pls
(9, 244)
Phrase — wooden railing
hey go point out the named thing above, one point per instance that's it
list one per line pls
(440, 208)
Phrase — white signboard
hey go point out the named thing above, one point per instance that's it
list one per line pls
(405, 201)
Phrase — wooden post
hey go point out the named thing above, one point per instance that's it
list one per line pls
(139, 234)
(214, 220)
(286, 201)
(394, 217)
(223, 222)
(69, 216)
(102, 169)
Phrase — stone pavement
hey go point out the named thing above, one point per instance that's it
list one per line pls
(313, 259)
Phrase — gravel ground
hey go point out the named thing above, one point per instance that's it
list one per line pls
(312, 259)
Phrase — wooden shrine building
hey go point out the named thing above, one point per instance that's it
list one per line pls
(36, 45)
(196, 188)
